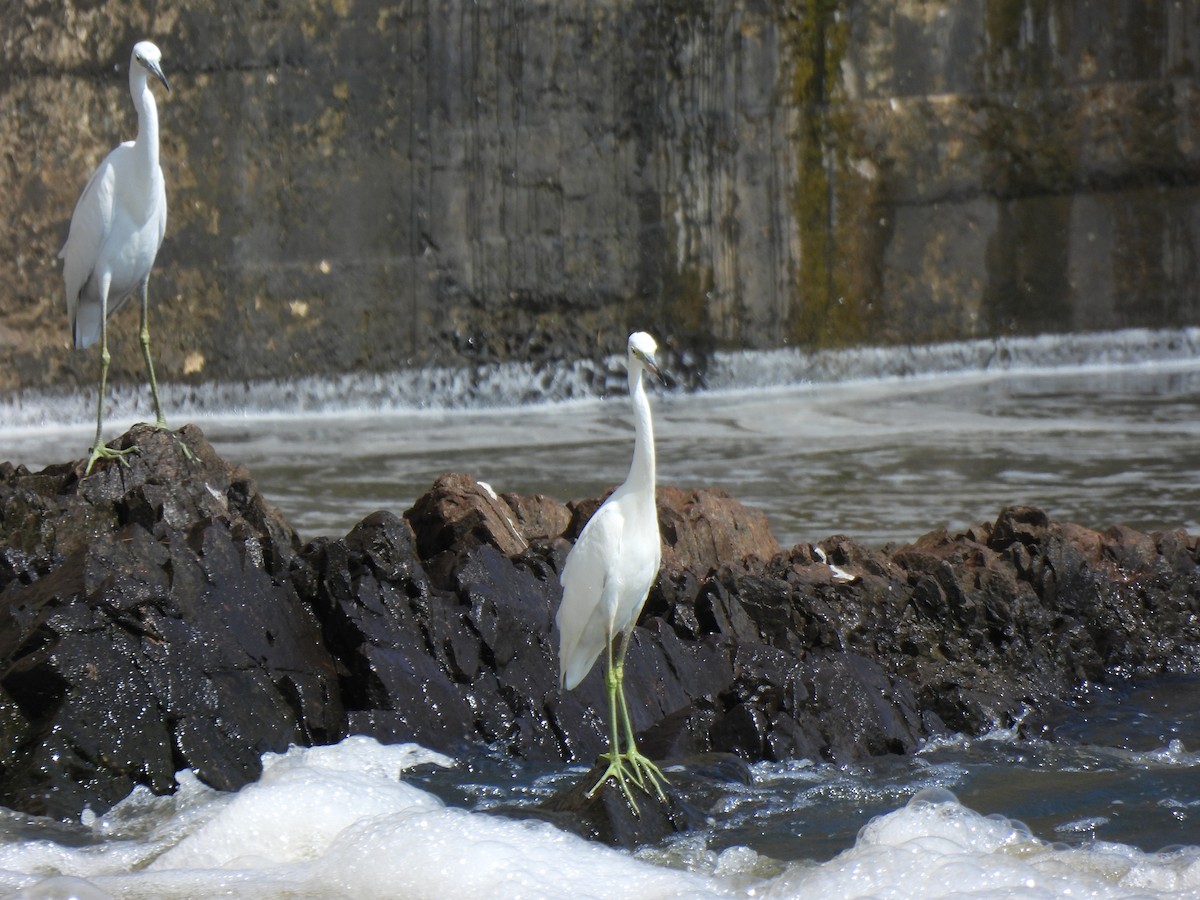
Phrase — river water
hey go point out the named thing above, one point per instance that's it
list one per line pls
(880, 445)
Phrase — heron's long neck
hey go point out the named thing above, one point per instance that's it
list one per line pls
(641, 470)
(147, 113)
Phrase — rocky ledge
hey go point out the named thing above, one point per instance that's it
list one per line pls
(163, 616)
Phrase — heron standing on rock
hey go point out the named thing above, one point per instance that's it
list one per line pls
(606, 578)
(116, 230)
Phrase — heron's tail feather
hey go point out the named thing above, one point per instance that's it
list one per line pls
(87, 325)
(574, 671)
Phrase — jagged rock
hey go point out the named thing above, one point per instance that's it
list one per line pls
(163, 615)
(538, 517)
(458, 515)
(468, 660)
(703, 530)
(147, 625)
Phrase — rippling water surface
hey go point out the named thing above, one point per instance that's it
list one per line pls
(878, 460)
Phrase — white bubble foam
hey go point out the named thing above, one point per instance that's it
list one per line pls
(341, 821)
(937, 848)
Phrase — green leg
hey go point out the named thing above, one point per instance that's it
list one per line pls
(99, 451)
(160, 421)
(645, 773)
(630, 765)
(616, 764)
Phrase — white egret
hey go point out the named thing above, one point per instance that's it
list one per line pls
(606, 578)
(116, 230)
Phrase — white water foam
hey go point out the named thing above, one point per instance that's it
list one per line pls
(510, 385)
(935, 847)
(341, 821)
(1131, 347)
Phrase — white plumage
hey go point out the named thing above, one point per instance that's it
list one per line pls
(116, 230)
(605, 581)
(608, 574)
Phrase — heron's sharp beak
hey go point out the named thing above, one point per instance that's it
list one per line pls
(158, 73)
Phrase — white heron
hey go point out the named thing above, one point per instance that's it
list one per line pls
(606, 578)
(116, 230)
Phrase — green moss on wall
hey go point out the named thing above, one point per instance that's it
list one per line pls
(1003, 21)
(1023, 38)
(686, 296)
(832, 300)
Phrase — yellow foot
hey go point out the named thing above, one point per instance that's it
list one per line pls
(646, 774)
(161, 425)
(616, 771)
(187, 453)
(102, 452)
(632, 767)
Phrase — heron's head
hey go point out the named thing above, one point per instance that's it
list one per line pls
(642, 347)
(149, 57)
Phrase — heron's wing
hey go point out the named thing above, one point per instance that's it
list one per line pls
(161, 190)
(90, 225)
(585, 616)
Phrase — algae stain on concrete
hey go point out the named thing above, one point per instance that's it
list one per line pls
(686, 294)
(829, 307)
(1028, 288)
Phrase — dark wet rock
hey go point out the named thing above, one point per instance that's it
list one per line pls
(164, 616)
(147, 625)
(694, 785)
(469, 659)
(606, 815)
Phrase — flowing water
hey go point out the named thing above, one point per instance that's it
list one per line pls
(880, 445)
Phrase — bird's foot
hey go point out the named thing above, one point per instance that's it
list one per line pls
(616, 771)
(161, 425)
(100, 451)
(632, 768)
(187, 451)
(646, 774)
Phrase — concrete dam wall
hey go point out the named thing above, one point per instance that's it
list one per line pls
(366, 186)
